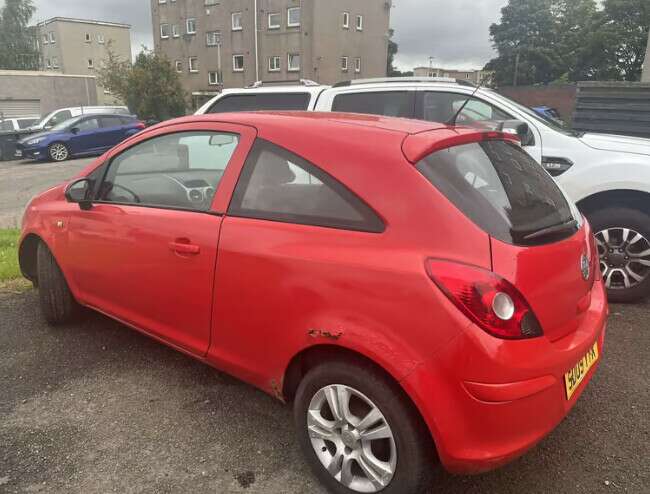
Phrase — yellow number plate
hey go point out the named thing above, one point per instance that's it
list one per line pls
(575, 376)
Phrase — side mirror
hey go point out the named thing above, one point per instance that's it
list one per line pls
(74, 130)
(520, 129)
(80, 192)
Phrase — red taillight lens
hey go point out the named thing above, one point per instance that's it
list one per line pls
(595, 259)
(140, 125)
(492, 302)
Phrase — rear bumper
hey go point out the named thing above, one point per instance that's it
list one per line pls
(487, 401)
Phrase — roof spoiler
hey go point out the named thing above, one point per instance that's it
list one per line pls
(416, 147)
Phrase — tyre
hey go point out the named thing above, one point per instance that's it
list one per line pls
(57, 303)
(623, 239)
(58, 151)
(359, 432)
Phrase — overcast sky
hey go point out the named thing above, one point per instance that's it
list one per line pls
(454, 32)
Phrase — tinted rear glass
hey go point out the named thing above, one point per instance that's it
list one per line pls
(260, 101)
(501, 189)
(387, 103)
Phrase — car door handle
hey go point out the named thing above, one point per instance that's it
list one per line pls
(184, 247)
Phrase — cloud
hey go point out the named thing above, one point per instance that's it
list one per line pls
(454, 32)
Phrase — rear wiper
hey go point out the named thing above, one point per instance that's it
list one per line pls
(560, 227)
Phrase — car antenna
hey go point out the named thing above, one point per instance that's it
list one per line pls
(452, 121)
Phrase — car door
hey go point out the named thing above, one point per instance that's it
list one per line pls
(85, 136)
(112, 130)
(145, 252)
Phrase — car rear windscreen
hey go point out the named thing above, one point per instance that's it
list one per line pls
(261, 102)
(503, 190)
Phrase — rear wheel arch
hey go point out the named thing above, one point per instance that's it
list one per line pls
(629, 198)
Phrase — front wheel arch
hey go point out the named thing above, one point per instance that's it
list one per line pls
(628, 198)
(27, 257)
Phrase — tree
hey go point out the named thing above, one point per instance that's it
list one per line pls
(18, 48)
(150, 87)
(626, 23)
(392, 51)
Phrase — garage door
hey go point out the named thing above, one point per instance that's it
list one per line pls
(11, 108)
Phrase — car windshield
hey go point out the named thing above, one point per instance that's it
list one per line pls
(65, 124)
(554, 124)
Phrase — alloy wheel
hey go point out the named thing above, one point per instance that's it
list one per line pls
(352, 438)
(624, 257)
(58, 152)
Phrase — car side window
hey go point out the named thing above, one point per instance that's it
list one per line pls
(87, 124)
(437, 106)
(179, 170)
(278, 185)
(387, 103)
(110, 122)
(261, 101)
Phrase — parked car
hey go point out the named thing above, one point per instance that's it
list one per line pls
(607, 176)
(550, 114)
(81, 136)
(450, 300)
(18, 123)
(62, 114)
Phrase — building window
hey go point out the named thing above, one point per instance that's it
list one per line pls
(293, 64)
(238, 63)
(211, 2)
(236, 21)
(48, 64)
(193, 64)
(357, 65)
(179, 66)
(213, 78)
(55, 62)
(293, 17)
(100, 39)
(359, 23)
(164, 31)
(88, 38)
(275, 20)
(46, 39)
(346, 20)
(344, 64)
(162, 1)
(190, 26)
(274, 64)
(175, 31)
(91, 64)
(212, 38)
(52, 37)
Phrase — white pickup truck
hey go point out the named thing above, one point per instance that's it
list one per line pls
(608, 176)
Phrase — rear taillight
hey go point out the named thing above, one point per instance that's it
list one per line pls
(492, 302)
(594, 258)
(140, 125)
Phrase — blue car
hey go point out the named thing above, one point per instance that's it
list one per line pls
(81, 136)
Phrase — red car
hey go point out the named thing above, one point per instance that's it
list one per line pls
(415, 290)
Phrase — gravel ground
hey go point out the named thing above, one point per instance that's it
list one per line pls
(22, 180)
(96, 407)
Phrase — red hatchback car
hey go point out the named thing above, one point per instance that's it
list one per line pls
(415, 289)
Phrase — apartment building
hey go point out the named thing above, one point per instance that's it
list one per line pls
(216, 44)
(475, 76)
(76, 46)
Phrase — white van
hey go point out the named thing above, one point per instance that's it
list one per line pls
(63, 114)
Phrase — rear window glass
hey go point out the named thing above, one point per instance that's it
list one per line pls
(503, 190)
(261, 101)
(387, 103)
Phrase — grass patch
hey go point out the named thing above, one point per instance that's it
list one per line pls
(9, 269)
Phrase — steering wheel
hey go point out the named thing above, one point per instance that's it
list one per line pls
(136, 198)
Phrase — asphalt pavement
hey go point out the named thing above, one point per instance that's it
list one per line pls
(22, 180)
(95, 407)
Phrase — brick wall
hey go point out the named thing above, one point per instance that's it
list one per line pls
(560, 97)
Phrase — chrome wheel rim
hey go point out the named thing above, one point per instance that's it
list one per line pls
(624, 257)
(352, 438)
(58, 152)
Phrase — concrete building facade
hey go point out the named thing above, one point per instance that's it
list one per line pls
(76, 46)
(475, 76)
(26, 93)
(218, 44)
